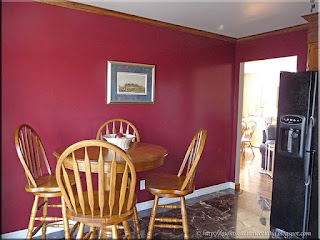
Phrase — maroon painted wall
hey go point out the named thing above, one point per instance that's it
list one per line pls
(53, 78)
(284, 45)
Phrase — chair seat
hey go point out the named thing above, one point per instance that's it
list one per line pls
(167, 185)
(47, 183)
(96, 219)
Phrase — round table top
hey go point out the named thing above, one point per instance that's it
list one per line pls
(144, 156)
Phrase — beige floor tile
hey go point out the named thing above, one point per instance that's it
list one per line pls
(243, 214)
(240, 226)
(256, 222)
(255, 233)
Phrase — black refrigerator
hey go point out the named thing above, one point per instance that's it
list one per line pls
(294, 209)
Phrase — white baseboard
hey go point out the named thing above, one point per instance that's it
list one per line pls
(199, 192)
(140, 206)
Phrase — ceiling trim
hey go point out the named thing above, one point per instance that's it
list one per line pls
(275, 32)
(107, 12)
(134, 18)
(311, 17)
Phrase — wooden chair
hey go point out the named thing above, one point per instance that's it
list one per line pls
(33, 157)
(113, 125)
(247, 137)
(171, 186)
(243, 130)
(118, 125)
(97, 206)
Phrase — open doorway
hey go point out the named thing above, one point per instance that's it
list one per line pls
(258, 91)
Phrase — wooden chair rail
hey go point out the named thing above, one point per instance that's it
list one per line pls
(42, 204)
(55, 205)
(169, 206)
(49, 205)
(56, 225)
(174, 220)
(74, 228)
(49, 219)
(34, 232)
(168, 226)
(88, 235)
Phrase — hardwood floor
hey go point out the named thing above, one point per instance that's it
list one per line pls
(251, 179)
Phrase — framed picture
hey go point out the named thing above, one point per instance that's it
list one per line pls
(130, 82)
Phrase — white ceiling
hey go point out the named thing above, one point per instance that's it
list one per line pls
(231, 18)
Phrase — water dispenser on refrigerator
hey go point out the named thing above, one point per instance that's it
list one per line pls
(291, 135)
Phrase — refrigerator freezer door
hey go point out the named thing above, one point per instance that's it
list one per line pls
(313, 226)
(288, 193)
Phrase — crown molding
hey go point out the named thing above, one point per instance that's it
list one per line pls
(107, 12)
(311, 17)
(112, 13)
(275, 32)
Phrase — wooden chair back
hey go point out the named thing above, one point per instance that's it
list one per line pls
(251, 127)
(119, 198)
(243, 128)
(192, 157)
(31, 153)
(118, 126)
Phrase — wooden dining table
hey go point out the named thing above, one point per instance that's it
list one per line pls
(144, 156)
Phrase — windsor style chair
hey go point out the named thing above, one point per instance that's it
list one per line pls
(247, 137)
(43, 185)
(171, 186)
(243, 130)
(93, 204)
(118, 126)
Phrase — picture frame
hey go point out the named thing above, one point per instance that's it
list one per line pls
(130, 83)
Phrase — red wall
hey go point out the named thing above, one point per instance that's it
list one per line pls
(284, 45)
(53, 78)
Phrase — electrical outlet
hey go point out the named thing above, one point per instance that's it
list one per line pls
(142, 184)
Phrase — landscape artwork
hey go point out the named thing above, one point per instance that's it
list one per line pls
(130, 83)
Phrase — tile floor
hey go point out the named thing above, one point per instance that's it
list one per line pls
(226, 214)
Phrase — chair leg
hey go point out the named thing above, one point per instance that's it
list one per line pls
(33, 217)
(93, 234)
(127, 230)
(251, 149)
(243, 150)
(153, 217)
(100, 233)
(105, 232)
(136, 222)
(114, 232)
(45, 213)
(80, 231)
(184, 218)
(65, 219)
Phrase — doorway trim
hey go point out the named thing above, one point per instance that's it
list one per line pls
(240, 109)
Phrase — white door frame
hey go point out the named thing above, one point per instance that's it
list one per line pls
(239, 128)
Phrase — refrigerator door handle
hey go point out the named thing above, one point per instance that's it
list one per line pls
(307, 153)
